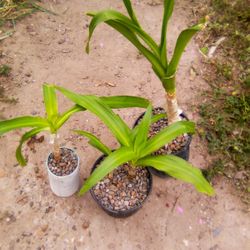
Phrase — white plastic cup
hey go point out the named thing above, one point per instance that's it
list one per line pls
(64, 186)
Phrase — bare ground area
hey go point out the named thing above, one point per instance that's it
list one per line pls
(47, 48)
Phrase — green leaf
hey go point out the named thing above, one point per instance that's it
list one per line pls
(168, 10)
(94, 104)
(21, 122)
(50, 101)
(130, 11)
(154, 119)
(111, 162)
(21, 160)
(167, 135)
(154, 60)
(142, 130)
(94, 141)
(117, 102)
(116, 17)
(180, 169)
(66, 115)
(181, 44)
(157, 117)
(114, 102)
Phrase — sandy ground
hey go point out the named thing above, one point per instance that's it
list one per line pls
(48, 48)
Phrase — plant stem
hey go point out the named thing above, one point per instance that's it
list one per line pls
(171, 100)
(56, 147)
(172, 108)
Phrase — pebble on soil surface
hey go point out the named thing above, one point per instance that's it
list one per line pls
(123, 189)
(66, 164)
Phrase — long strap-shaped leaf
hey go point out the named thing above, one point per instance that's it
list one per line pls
(114, 102)
(154, 119)
(117, 17)
(131, 12)
(50, 101)
(94, 141)
(22, 122)
(117, 102)
(21, 160)
(114, 160)
(181, 44)
(167, 13)
(142, 130)
(167, 135)
(92, 103)
(67, 114)
(156, 63)
(180, 169)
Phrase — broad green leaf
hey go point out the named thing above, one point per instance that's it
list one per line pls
(157, 117)
(154, 119)
(66, 115)
(155, 61)
(22, 122)
(180, 169)
(94, 141)
(167, 135)
(111, 15)
(114, 102)
(94, 104)
(50, 101)
(181, 44)
(115, 159)
(141, 135)
(130, 11)
(117, 102)
(21, 160)
(168, 10)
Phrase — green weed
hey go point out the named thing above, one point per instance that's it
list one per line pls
(4, 70)
(225, 112)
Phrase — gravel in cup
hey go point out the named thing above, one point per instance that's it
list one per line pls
(123, 189)
(172, 147)
(66, 165)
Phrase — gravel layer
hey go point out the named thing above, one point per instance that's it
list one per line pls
(66, 165)
(123, 189)
(172, 147)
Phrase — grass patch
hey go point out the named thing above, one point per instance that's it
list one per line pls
(225, 111)
(13, 10)
(5, 70)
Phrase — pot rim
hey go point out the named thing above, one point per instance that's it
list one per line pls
(60, 177)
(120, 213)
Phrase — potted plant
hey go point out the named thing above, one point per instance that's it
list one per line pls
(164, 68)
(119, 180)
(63, 163)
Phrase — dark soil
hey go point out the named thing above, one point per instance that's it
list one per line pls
(66, 165)
(123, 189)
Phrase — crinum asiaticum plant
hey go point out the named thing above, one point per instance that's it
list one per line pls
(54, 120)
(135, 147)
(156, 54)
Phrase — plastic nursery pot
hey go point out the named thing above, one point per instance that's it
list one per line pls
(120, 213)
(67, 185)
(182, 153)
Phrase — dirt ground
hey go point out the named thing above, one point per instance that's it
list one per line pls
(47, 48)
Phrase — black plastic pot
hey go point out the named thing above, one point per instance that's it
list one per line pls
(182, 153)
(119, 214)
